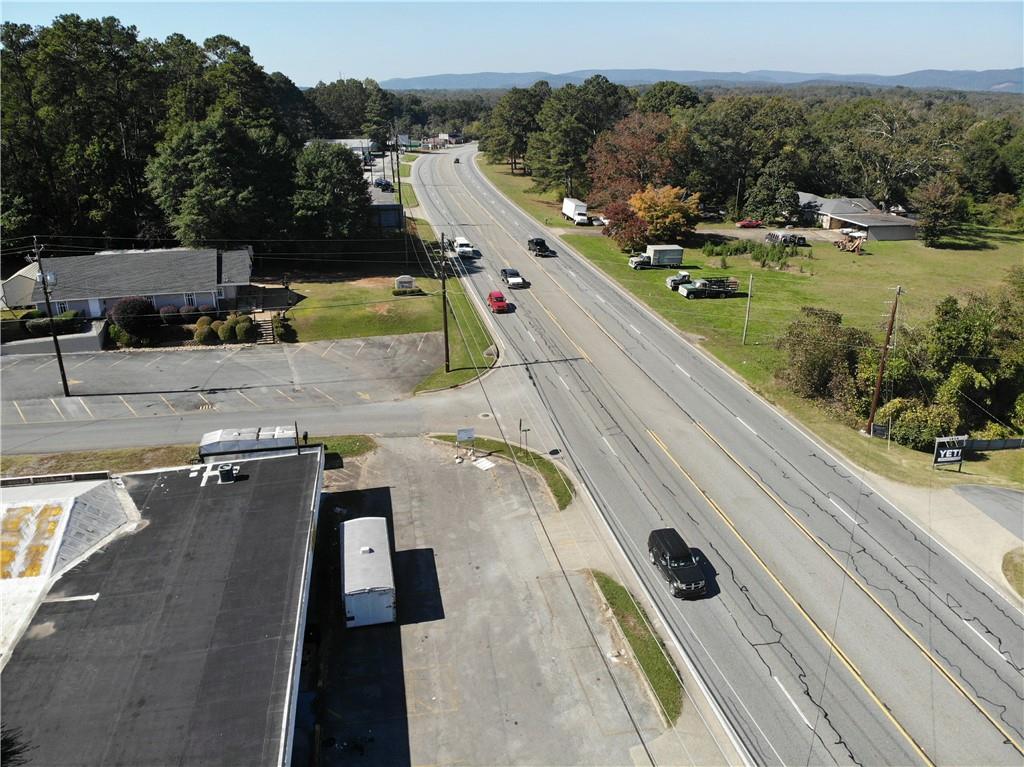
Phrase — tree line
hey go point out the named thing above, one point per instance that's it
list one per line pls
(947, 155)
(107, 134)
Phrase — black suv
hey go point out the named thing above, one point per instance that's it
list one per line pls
(678, 565)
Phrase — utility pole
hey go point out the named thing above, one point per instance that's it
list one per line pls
(882, 361)
(44, 280)
(444, 307)
(746, 319)
(398, 175)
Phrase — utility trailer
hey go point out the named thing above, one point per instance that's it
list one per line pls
(710, 287)
(368, 582)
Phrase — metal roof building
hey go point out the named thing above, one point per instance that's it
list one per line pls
(859, 213)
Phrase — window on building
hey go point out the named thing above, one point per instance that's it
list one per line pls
(190, 299)
(220, 292)
(59, 307)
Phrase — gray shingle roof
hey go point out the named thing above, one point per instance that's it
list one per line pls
(836, 205)
(874, 219)
(117, 273)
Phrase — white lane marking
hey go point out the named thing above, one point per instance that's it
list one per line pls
(570, 272)
(87, 410)
(680, 369)
(845, 513)
(599, 298)
(609, 444)
(531, 336)
(83, 362)
(792, 702)
(125, 403)
(83, 598)
(747, 425)
(982, 638)
(328, 349)
(48, 362)
(564, 383)
(634, 329)
(359, 349)
(62, 417)
(153, 362)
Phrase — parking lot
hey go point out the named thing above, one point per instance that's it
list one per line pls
(138, 384)
(493, 660)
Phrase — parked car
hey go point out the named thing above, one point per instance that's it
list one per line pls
(380, 181)
(513, 279)
(749, 223)
(496, 302)
(678, 565)
(387, 186)
(598, 221)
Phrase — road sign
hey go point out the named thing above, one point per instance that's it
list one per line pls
(949, 450)
(465, 435)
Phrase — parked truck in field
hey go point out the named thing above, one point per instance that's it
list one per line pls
(710, 287)
(538, 247)
(658, 257)
(576, 211)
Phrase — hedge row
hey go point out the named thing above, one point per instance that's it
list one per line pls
(235, 329)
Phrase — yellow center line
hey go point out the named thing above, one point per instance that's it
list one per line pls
(125, 403)
(850, 665)
(169, 405)
(867, 592)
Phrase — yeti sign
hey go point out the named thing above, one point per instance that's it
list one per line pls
(949, 450)
(405, 282)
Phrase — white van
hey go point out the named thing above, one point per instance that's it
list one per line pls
(464, 248)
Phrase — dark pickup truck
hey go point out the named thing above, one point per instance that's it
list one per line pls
(538, 247)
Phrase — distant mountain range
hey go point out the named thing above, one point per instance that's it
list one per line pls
(991, 80)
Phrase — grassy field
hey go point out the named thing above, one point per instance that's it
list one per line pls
(404, 170)
(361, 307)
(558, 483)
(647, 648)
(140, 459)
(858, 286)
(408, 158)
(468, 340)
(1013, 569)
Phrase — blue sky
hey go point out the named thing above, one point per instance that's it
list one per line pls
(326, 40)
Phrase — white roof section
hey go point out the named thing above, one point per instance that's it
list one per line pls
(18, 288)
(367, 555)
(249, 438)
(664, 249)
(48, 528)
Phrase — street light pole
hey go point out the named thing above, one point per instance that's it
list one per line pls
(44, 280)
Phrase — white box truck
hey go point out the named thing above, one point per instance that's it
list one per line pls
(368, 583)
(576, 211)
(658, 256)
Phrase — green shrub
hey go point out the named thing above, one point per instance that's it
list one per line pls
(216, 325)
(915, 424)
(205, 334)
(123, 338)
(33, 314)
(204, 321)
(246, 332)
(134, 314)
(283, 331)
(226, 332)
(39, 326)
(407, 292)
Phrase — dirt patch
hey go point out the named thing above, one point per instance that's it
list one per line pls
(380, 308)
(375, 282)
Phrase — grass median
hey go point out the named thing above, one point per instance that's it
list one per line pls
(409, 199)
(647, 648)
(142, 458)
(545, 207)
(558, 482)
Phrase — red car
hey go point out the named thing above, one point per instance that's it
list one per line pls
(749, 223)
(496, 300)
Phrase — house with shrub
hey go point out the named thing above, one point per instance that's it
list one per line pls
(857, 214)
(177, 277)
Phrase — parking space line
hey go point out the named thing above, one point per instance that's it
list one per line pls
(229, 356)
(204, 399)
(62, 416)
(420, 344)
(87, 410)
(8, 362)
(318, 389)
(360, 348)
(125, 403)
(153, 362)
(22, 415)
(290, 399)
(169, 405)
(242, 395)
(83, 362)
(187, 360)
(328, 349)
(123, 358)
(48, 362)
(390, 347)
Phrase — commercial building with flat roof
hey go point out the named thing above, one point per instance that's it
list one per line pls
(179, 643)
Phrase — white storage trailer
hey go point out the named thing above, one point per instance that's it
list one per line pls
(368, 584)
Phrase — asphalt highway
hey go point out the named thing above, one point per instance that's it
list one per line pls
(836, 630)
